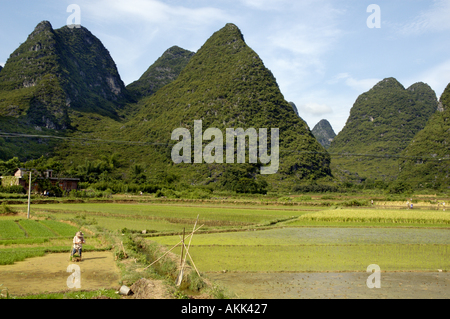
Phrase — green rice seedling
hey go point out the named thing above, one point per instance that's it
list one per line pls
(24, 241)
(60, 228)
(10, 229)
(316, 236)
(10, 256)
(379, 216)
(170, 218)
(300, 258)
(36, 229)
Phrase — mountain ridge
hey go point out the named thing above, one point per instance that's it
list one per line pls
(324, 133)
(381, 123)
(225, 85)
(57, 71)
(165, 70)
(425, 162)
(64, 83)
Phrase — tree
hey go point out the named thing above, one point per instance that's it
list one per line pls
(8, 168)
(138, 174)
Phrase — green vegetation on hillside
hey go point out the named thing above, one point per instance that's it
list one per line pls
(165, 70)
(382, 122)
(426, 162)
(30, 84)
(226, 85)
(24, 147)
(54, 70)
(51, 80)
(61, 97)
(324, 133)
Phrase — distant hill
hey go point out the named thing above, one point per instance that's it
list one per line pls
(226, 85)
(51, 83)
(381, 124)
(426, 160)
(165, 70)
(324, 133)
(56, 71)
(1, 68)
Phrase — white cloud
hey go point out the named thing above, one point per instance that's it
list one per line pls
(361, 86)
(438, 77)
(151, 12)
(306, 39)
(295, 46)
(2, 64)
(434, 19)
(268, 5)
(137, 32)
(314, 109)
(304, 30)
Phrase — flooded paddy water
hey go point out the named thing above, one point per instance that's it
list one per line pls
(274, 264)
(351, 285)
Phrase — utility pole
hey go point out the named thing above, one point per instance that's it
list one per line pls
(29, 197)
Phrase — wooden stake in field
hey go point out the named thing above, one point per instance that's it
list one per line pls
(187, 252)
(183, 261)
(182, 248)
(190, 235)
(124, 253)
(180, 275)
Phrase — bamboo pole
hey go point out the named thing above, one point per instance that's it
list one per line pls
(193, 263)
(123, 248)
(189, 246)
(182, 252)
(180, 275)
(172, 249)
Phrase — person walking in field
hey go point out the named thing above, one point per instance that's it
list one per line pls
(78, 242)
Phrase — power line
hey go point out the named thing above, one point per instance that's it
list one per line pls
(385, 156)
(17, 135)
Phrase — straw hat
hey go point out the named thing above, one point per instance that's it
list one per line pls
(79, 234)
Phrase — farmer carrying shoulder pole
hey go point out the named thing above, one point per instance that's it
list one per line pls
(78, 242)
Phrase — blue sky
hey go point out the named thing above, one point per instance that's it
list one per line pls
(322, 52)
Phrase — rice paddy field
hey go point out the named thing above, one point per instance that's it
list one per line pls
(25, 238)
(269, 241)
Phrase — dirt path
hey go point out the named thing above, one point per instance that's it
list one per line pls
(49, 273)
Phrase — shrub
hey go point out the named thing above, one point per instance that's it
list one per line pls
(354, 203)
(399, 187)
(16, 189)
(314, 188)
(6, 210)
